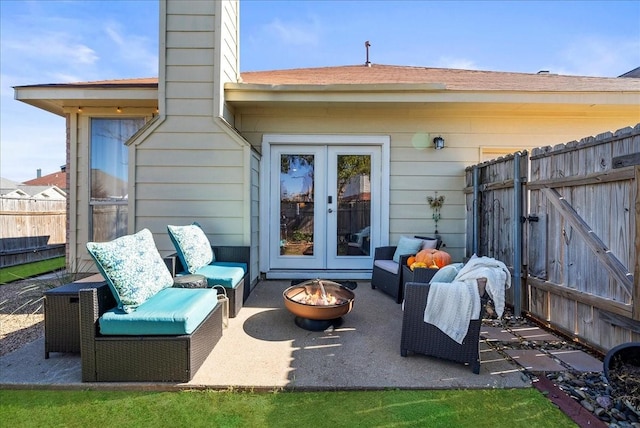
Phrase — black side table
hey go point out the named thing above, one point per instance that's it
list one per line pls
(62, 315)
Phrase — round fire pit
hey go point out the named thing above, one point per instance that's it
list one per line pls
(318, 304)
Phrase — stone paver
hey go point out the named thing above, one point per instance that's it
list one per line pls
(535, 333)
(578, 360)
(497, 334)
(534, 360)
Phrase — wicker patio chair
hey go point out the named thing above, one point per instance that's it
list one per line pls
(224, 253)
(386, 274)
(423, 338)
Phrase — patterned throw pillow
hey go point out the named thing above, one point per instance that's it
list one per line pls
(132, 267)
(192, 245)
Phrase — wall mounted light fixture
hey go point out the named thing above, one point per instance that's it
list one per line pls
(438, 143)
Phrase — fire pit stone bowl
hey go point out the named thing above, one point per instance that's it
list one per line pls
(318, 300)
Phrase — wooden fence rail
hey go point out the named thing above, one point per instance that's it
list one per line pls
(31, 229)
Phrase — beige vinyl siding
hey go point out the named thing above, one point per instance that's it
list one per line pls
(255, 211)
(191, 167)
(417, 171)
(229, 58)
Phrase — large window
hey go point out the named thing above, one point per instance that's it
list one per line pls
(109, 171)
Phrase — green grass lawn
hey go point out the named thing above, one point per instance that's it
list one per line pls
(15, 273)
(393, 408)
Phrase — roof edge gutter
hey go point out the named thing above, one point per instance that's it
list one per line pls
(342, 87)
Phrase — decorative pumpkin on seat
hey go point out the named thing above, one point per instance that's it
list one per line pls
(433, 258)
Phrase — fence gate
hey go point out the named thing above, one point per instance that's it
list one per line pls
(580, 234)
(496, 202)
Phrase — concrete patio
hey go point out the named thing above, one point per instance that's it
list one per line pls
(263, 349)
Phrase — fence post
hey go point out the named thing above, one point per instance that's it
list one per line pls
(475, 214)
(517, 236)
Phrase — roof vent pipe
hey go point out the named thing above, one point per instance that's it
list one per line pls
(367, 45)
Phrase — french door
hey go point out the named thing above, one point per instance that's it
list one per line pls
(323, 205)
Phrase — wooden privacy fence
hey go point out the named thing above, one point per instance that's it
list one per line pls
(572, 214)
(31, 229)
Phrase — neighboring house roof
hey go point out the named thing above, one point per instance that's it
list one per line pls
(36, 192)
(58, 179)
(633, 73)
(31, 189)
(7, 185)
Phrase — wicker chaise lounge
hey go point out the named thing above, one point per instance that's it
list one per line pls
(223, 254)
(225, 266)
(423, 338)
(140, 328)
(140, 358)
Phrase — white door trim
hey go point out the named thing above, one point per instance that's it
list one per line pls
(384, 141)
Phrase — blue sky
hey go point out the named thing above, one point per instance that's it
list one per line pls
(66, 41)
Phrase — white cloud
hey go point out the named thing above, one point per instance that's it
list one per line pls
(135, 49)
(593, 56)
(458, 63)
(296, 33)
(52, 47)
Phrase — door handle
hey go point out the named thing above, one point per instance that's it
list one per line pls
(330, 210)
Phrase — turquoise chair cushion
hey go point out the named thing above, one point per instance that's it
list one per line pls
(447, 273)
(227, 276)
(133, 268)
(192, 245)
(173, 311)
(407, 246)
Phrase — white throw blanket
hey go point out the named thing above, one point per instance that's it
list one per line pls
(450, 306)
(497, 274)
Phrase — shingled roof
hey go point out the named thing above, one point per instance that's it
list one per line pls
(452, 79)
(58, 179)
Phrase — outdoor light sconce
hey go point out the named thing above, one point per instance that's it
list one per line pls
(438, 143)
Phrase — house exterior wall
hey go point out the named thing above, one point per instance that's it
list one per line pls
(417, 170)
(190, 165)
(255, 211)
(79, 173)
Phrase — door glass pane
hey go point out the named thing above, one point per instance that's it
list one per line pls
(354, 205)
(296, 204)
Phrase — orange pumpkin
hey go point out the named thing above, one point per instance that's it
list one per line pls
(411, 260)
(434, 258)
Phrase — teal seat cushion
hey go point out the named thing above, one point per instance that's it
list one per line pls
(133, 268)
(240, 265)
(227, 276)
(172, 311)
(447, 273)
(406, 246)
(192, 245)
